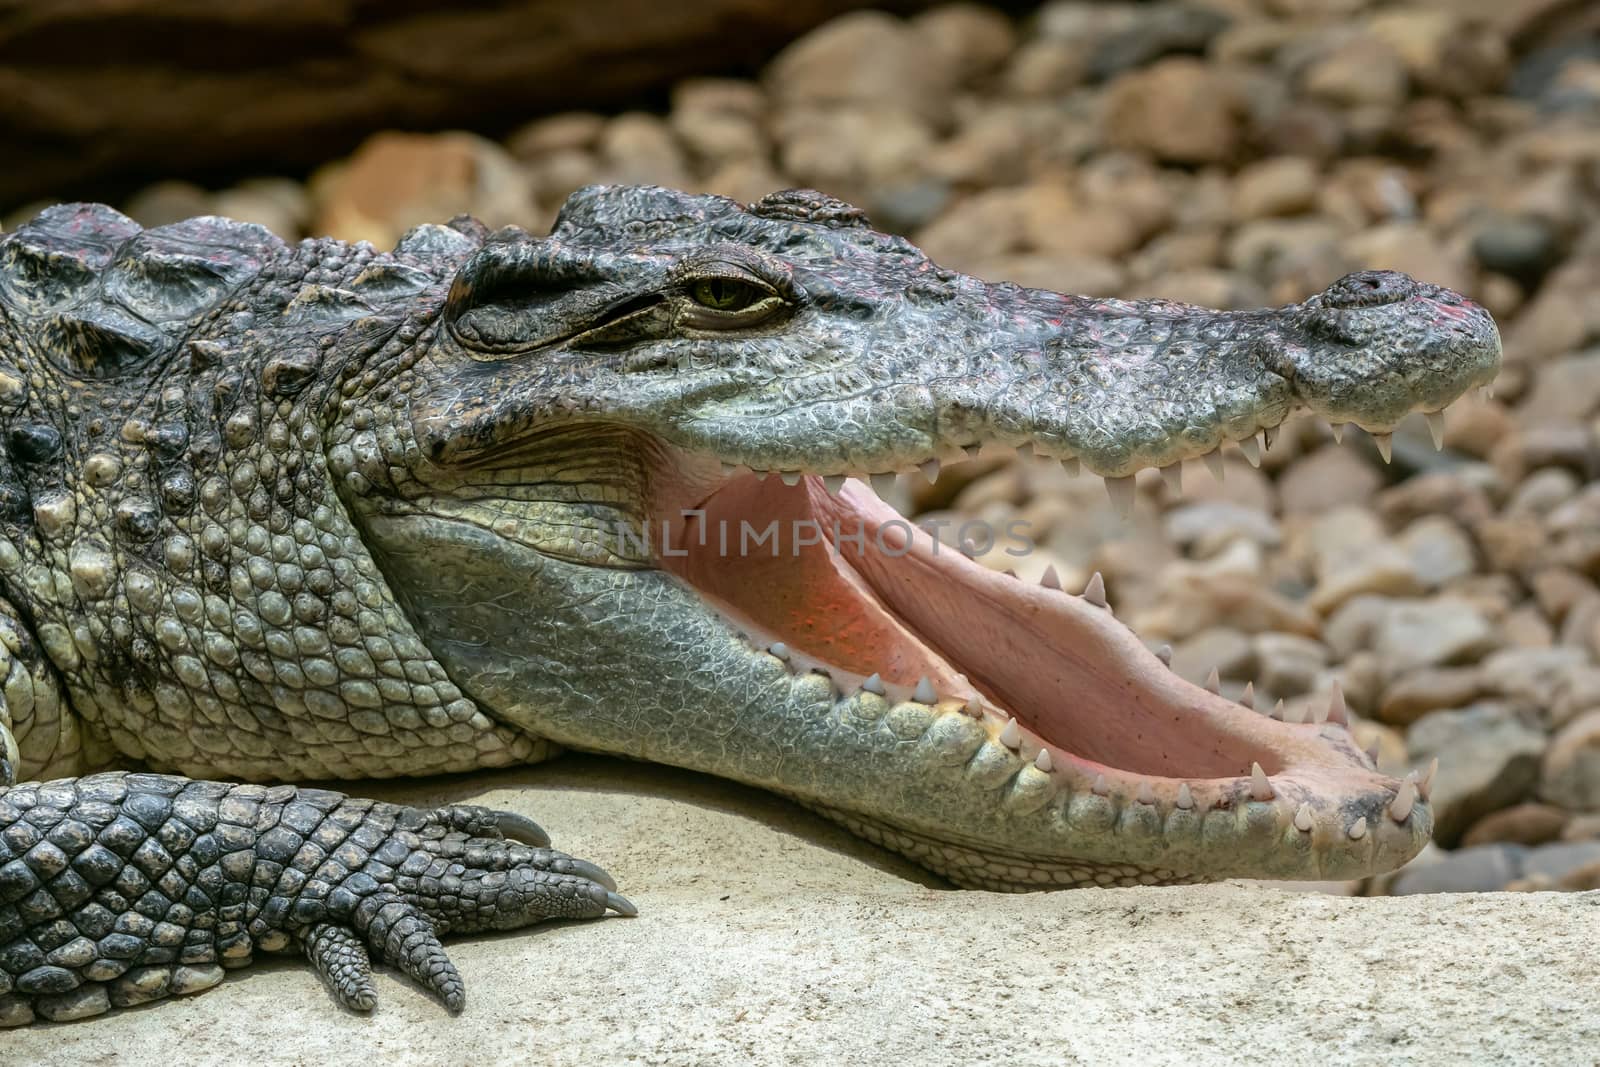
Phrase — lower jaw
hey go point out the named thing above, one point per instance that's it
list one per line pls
(1098, 764)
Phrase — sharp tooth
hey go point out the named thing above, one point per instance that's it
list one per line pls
(1172, 475)
(1120, 490)
(1268, 437)
(1025, 451)
(1337, 712)
(833, 483)
(924, 693)
(1385, 443)
(761, 476)
(1248, 697)
(1214, 682)
(1010, 572)
(1425, 783)
(873, 685)
(1050, 579)
(1302, 818)
(972, 450)
(1277, 710)
(1372, 754)
(790, 477)
(974, 707)
(1436, 428)
(1400, 808)
(930, 469)
(1164, 654)
(1011, 734)
(1043, 761)
(1095, 591)
(1296, 714)
(882, 483)
(728, 468)
(1358, 829)
(1260, 784)
(779, 649)
(968, 549)
(1251, 449)
(1488, 391)
(1146, 794)
(1338, 432)
(1214, 464)
(1071, 465)
(1185, 797)
(1099, 788)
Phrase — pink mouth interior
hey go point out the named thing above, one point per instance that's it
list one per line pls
(895, 603)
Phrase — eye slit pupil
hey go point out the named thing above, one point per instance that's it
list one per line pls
(722, 294)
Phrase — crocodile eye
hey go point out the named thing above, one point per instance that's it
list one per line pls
(726, 294)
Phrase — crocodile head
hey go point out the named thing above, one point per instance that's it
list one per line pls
(626, 496)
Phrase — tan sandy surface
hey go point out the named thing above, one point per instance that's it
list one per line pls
(767, 936)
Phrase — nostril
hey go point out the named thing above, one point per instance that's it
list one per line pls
(1369, 288)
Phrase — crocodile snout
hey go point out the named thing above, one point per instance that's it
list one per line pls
(1369, 288)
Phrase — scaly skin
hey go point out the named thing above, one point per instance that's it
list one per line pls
(124, 888)
(277, 513)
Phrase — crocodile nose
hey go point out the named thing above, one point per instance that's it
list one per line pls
(1369, 288)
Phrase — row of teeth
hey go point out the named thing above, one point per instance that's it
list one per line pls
(1120, 490)
(1010, 734)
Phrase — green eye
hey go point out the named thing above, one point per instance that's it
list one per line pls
(724, 294)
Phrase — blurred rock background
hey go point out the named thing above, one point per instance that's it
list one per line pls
(1233, 153)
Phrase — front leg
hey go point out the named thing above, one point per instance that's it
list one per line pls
(117, 889)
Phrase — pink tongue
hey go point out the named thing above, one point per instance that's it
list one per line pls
(803, 595)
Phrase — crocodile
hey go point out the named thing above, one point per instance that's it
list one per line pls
(278, 514)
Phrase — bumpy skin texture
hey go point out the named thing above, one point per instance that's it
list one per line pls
(282, 513)
(119, 888)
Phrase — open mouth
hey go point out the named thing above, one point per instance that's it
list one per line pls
(822, 574)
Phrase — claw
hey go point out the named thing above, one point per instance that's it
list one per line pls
(596, 874)
(521, 828)
(621, 905)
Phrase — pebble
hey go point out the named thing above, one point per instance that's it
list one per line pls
(1488, 759)
(1570, 774)
(1414, 694)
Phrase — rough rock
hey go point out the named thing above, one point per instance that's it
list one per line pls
(106, 89)
(1570, 775)
(1431, 633)
(1418, 692)
(1529, 823)
(1488, 759)
(399, 180)
(768, 936)
(1179, 110)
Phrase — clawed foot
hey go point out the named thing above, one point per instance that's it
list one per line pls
(118, 889)
(454, 869)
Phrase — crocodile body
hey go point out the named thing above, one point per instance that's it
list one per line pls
(283, 513)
